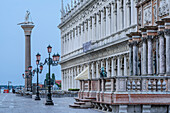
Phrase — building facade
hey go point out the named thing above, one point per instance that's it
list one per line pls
(131, 40)
(93, 35)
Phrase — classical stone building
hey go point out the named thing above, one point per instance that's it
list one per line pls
(131, 40)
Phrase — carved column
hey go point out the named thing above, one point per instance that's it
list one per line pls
(92, 68)
(94, 28)
(97, 70)
(89, 71)
(99, 25)
(167, 36)
(130, 55)
(151, 33)
(125, 65)
(108, 20)
(102, 24)
(135, 37)
(112, 68)
(128, 13)
(144, 52)
(107, 67)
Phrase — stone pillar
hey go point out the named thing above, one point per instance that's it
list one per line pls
(144, 52)
(121, 15)
(99, 25)
(89, 71)
(151, 33)
(92, 68)
(77, 81)
(167, 36)
(118, 66)
(94, 28)
(128, 13)
(130, 55)
(27, 31)
(107, 67)
(68, 79)
(108, 20)
(97, 70)
(135, 58)
(112, 60)
(86, 31)
(150, 55)
(62, 80)
(136, 38)
(89, 28)
(125, 65)
(102, 24)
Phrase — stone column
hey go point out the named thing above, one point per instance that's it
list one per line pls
(62, 80)
(89, 28)
(112, 60)
(130, 55)
(89, 71)
(102, 24)
(68, 79)
(108, 20)
(135, 58)
(150, 55)
(135, 37)
(94, 28)
(118, 65)
(86, 31)
(128, 13)
(167, 36)
(82, 34)
(151, 33)
(161, 47)
(75, 74)
(121, 15)
(77, 81)
(107, 68)
(27, 31)
(125, 65)
(92, 68)
(97, 70)
(144, 52)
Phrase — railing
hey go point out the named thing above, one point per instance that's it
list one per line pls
(147, 83)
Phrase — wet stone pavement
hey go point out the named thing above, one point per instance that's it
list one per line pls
(10, 103)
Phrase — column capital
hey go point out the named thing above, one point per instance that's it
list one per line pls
(167, 32)
(161, 33)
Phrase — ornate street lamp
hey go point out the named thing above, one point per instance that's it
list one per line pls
(26, 77)
(54, 62)
(38, 70)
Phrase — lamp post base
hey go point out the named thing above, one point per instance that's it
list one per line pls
(37, 98)
(49, 102)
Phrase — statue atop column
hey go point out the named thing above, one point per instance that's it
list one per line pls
(27, 19)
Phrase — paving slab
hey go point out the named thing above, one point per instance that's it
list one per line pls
(10, 103)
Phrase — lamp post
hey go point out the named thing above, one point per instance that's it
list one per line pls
(54, 62)
(28, 74)
(38, 70)
(26, 77)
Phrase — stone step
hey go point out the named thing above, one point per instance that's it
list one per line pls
(79, 103)
(74, 106)
(92, 98)
(77, 99)
(85, 100)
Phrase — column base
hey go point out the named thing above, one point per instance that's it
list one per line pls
(49, 102)
(37, 98)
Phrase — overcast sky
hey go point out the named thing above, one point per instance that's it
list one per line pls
(46, 17)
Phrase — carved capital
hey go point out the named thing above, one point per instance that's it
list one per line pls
(149, 37)
(167, 32)
(160, 33)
